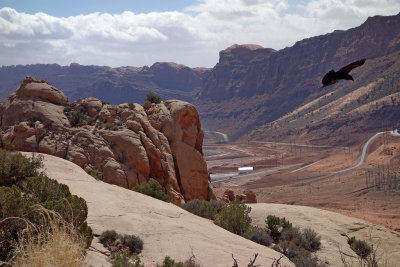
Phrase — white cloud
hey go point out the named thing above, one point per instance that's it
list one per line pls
(193, 37)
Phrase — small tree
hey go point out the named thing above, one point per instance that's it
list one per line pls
(234, 218)
(153, 98)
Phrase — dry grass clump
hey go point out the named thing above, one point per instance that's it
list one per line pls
(54, 242)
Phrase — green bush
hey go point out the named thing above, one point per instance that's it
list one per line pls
(124, 260)
(200, 208)
(258, 235)
(275, 226)
(234, 218)
(19, 206)
(168, 262)
(153, 189)
(15, 167)
(153, 98)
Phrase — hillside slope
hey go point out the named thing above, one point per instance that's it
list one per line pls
(252, 86)
(168, 230)
(165, 229)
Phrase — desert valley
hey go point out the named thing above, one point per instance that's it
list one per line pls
(283, 171)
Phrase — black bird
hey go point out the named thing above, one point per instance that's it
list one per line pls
(333, 77)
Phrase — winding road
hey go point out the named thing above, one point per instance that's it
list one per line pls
(364, 151)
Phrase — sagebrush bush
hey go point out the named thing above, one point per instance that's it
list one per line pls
(292, 235)
(153, 189)
(200, 208)
(258, 235)
(305, 259)
(310, 240)
(234, 218)
(108, 236)
(134, 243)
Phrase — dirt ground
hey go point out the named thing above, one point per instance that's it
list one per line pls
(301, 175)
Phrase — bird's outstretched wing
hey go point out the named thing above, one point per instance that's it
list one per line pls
(348, 68)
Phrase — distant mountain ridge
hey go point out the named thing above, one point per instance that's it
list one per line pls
(253, 86)
(253, 92)
(115, 85)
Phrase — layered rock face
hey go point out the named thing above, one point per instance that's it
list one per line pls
(127, 143)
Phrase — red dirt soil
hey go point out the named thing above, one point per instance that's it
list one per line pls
(314, 186)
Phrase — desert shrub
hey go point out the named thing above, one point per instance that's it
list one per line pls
(305, 259)
(50, 242)
(360, 247)
(258, 235)
(19, 203)
(292, 235)
(201, 208)
(153, 98)
(310, 240)
(168, 262)
(234, 218)
(98, 175)
(15, 167)
(275, 225)
(122, 259)
(134, 243)
(153, 189)
(218, 204)
(130, 243)
(108, 236)
(4, 144)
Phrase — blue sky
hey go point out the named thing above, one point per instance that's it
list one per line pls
(62, 8)
(137, 33)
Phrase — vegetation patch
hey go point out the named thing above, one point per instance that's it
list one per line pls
(153, 98)
(23, 188)
(124, 248)
(153, 189)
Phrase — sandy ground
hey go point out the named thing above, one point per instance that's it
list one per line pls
(164, 228)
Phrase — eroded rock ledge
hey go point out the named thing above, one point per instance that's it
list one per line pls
(129, 143)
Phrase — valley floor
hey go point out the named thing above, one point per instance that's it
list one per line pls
(302, 175)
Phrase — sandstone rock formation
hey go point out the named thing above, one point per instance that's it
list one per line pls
(247, 196)
(127, 143)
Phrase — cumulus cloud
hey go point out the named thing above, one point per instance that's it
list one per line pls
(193, 36)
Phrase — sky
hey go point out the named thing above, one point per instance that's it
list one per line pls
(191, 32)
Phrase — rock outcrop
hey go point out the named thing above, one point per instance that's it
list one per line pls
(247, 196)
(127, 143)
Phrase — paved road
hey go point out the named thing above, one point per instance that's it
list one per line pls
(364, 151)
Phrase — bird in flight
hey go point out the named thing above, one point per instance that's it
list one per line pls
(333, 77)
